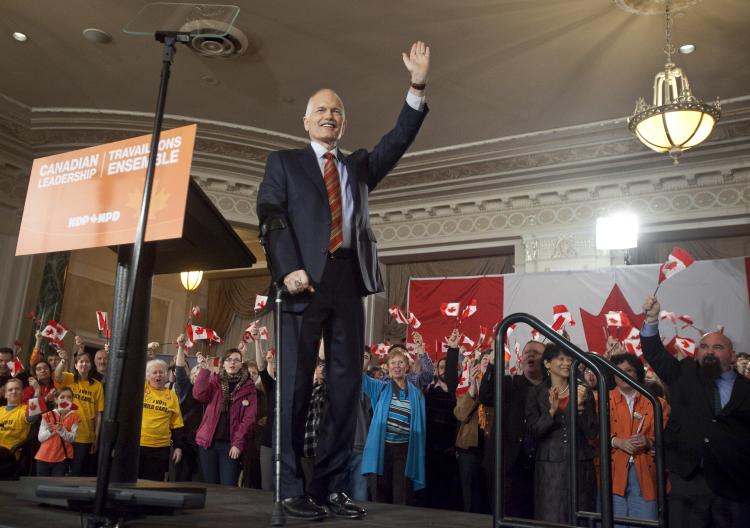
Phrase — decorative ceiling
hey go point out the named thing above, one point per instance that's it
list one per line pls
(500, 67)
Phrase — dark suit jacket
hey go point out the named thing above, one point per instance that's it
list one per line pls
(694, 432)
(293, 190)
(515, 389)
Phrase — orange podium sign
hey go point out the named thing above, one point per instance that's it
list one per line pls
(92, 197)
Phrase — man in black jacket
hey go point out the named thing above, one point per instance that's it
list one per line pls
(707, 437)
(518, 455)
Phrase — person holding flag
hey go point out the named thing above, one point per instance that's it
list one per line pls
(88, 395)
(708, 432)
(57, 433)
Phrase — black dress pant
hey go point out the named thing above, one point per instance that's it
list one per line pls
(336, 314)
(153, 463)
(692, 504)
(393, 486)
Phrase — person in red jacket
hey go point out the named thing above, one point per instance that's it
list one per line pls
(231, 404)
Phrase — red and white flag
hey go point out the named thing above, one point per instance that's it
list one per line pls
(515, 368)
(467, 341)
(469, 310)
(617, 319)
(536, 336)
(678, 260)
(450, 309)
(196, 333)
(35, 407)
(687, 320)
(669, 316)
(411, 348)
(413, 321)
(260, 301)
(15, 366)
(398, 315)
(213, 336)
(464, 382)
(508, 331)
(196, 311)
(54, 332)
(560, 317)
(380, 350)
(632, 342)
(102, 322)
(685, 344)
(263, 331)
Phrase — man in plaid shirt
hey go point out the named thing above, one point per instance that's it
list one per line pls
(318, 401)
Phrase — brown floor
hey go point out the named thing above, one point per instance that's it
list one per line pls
(227, 508)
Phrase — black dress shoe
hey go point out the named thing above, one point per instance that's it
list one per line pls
(303, 507)
(342, 506)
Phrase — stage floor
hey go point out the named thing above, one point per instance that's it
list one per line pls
(232, 507)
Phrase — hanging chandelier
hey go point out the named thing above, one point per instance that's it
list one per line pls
(676, 121)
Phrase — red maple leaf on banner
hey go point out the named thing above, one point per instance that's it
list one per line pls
(595, 325)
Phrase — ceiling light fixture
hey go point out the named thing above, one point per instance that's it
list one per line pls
(676, 121)
(686, 49)
(20, 37)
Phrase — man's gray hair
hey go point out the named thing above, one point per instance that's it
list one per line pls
(309, 107)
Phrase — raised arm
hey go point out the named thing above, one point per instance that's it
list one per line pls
(665, 365)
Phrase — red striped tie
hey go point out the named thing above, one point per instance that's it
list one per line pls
(333, 189)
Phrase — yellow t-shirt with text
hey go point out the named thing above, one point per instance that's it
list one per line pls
(89, 398)
(161, 414)
(13, 426)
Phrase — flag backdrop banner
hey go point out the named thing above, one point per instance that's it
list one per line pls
(711, 292)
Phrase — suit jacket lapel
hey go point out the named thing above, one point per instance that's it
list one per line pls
(312, 170)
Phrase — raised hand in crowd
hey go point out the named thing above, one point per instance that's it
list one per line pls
(151, 349)
(582, 395)
(179, 359)
(419, 342)
(651, 308)
(614, 347)
(474, 380)
(452, 340)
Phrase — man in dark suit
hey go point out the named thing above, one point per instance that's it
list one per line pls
(313, 210)
(707, 437)
(518, 448)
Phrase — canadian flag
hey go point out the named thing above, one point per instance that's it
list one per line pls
(508, 331)
(213, 336)
(450, 309)
(685, 344)
(442, 346)
(15, 366)
(411, 348)
(516, 367)
(102, 321)
(54, 332)
(398, 315)
(561, 317)
(469, 310)
(687, 320)
(413, 321)
(263, 331)
(464, 382)
(196, 333)
(260, 301)
(467, 341)
(669, 316)
(35, 407)
(196, 311)
(380, 349)
(483, 338)
(632, 342)
(617, 319)
(678, 260)
(536, 336)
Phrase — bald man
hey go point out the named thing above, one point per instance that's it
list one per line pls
(708, 434)
(313, 212)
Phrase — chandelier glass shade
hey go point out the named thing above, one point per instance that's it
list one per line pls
(191, 279)
(676, 121)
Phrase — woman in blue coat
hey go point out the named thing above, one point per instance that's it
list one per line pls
(395, 446)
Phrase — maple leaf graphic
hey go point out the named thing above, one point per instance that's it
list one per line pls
(159, 200)
(595, 325)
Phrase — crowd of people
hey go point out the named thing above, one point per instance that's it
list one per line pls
(424, 433)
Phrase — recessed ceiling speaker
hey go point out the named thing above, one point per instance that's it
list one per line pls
(207, 44)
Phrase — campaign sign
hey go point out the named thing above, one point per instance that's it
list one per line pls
(92, 197)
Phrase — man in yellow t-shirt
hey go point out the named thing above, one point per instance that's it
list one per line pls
(14, 425)
(88, 396)
(161, 424)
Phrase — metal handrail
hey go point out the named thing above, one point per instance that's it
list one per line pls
(599, 366)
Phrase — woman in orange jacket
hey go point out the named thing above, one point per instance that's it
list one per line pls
(632, 429)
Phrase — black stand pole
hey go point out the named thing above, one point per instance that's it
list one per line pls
(121, 341)
(278, 517)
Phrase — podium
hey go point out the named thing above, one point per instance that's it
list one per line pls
(208, 243)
